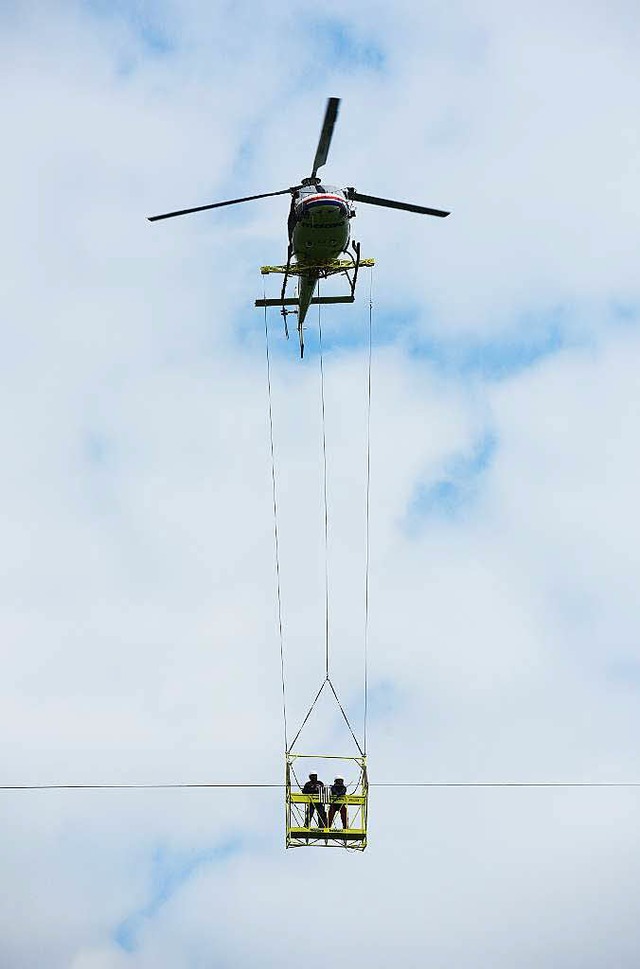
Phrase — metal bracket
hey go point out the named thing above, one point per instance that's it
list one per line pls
(345, 267)
(294, 301)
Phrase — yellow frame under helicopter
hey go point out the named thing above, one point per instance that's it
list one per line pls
(308, 275)
(346, 267)
(299, 834)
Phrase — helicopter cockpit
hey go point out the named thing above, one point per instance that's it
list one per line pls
(322, 203)
(320, 207)
(319, 188)
(321, 194)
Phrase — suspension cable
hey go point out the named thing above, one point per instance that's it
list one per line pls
(346, 718)
(367, 524)
(309, 712)
(325, 499)
(275, 526)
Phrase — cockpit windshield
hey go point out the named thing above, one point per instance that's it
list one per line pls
(320, 190)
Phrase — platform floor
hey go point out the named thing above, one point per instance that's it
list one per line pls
(337, 834)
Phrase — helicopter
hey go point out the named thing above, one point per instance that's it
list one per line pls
(318, 229)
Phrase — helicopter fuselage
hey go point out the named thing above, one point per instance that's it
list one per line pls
(319, 224)
(318, 234)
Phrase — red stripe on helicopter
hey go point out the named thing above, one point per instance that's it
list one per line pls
(324, 198)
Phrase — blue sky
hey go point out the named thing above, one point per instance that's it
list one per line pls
(168, 873)
(138, 614)
(457, 486)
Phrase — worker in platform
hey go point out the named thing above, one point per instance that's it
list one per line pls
(338, 789)
(314, 786)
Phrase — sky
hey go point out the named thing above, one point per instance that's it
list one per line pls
(138, 634)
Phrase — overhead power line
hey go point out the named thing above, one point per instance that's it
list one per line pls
(239, 786)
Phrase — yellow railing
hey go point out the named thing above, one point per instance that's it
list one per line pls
(296, 268)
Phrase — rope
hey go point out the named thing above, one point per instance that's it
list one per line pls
(367, 524)
(325, 501)
(327, 678)
(275, 526)
(317, 697)
(346, 718)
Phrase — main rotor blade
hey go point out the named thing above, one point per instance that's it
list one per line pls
(218, 205)
(391, 204)
(326, 134)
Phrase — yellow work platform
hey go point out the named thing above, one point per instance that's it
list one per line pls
(348, 809)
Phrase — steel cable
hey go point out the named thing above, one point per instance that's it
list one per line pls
(275, 525)
(367, 525)
(230, 786)
(324, 497)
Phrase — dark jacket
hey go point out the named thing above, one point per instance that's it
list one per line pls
(313, 787)
(338, 790)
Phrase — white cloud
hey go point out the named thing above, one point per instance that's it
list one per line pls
(138, 617)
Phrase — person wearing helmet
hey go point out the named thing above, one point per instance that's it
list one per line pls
(338, 790)
(314, 786)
